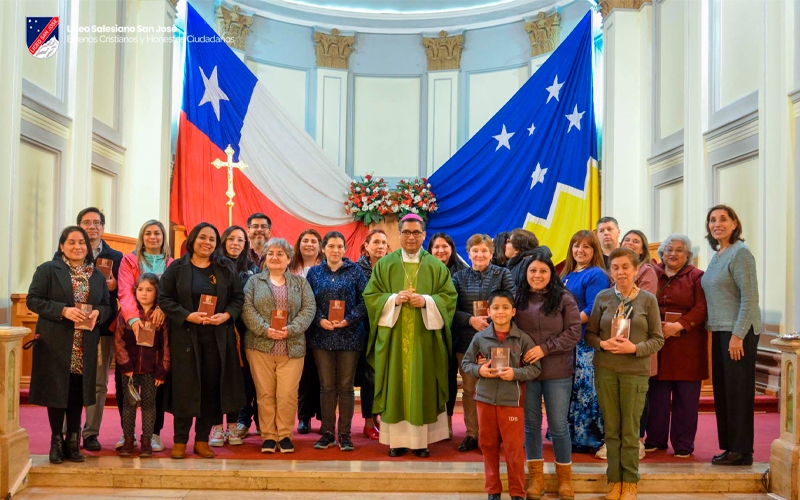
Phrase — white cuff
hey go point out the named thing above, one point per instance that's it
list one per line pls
(431, 316)
(390, 312)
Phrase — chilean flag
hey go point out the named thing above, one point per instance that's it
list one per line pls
(289, 177)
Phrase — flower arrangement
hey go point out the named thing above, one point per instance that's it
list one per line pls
(414, 196)
(368, 200)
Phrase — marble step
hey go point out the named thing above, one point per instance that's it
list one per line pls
(377, 476)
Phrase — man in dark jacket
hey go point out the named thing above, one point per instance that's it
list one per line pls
(93, 221)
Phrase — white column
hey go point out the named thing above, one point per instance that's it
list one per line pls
(11, 36)
(80, 100)
(696, 175)
(331, 132)
(148, 75)
(775, 144)
(442, 117)
(625, 187)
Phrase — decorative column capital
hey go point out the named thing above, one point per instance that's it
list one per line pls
(443, 52)
(233, 26)
(333, 51)
(606, 6)
(544, 33)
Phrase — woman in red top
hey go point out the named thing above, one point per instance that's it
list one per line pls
(683, 361)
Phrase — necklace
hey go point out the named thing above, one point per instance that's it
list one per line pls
(410, 280)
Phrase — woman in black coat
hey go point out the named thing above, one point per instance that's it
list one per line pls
(206, 380)
(60, 379)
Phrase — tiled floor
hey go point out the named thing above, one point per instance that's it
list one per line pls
(39, 493)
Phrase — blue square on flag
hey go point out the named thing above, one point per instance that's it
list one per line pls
(42, 36)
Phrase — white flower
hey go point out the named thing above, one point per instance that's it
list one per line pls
(363, 199)
(358, 189)
(429, 185)
(417, 198)
(414, 209)
(368, 191)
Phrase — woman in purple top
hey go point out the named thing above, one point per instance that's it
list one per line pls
(548, 313)
(583, 275)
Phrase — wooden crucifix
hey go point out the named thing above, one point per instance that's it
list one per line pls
(230, 165)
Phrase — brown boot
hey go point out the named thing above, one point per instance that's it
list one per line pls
(201, 448)
(615, 492)
(127, 447)
(146, 447)
(628, 491)
(178, 451)
(535, 486)
(564, 473)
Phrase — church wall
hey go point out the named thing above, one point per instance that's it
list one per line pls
(723, 131)
(72, 143)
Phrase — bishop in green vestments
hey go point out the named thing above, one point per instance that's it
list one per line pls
(410, 300)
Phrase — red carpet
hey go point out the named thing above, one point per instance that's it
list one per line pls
(34, 419)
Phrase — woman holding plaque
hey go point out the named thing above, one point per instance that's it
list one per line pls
(278, 309)
(201, 295)
(646, 280)
(337, 337)
(548, 313)
(625, 329)
(307, 254)
(584, 275)
(683, 361)
(734, 318)
(474, 285)
(375, 246)
(151, 255)
(71, 298)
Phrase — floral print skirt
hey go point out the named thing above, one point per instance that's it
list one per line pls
(585, 420)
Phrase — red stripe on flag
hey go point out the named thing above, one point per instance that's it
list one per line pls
(198, 194)
(43, 36)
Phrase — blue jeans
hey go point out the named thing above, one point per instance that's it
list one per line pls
(556, 395)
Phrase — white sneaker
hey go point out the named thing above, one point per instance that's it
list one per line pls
(122, 442)
(232, 436)
(602, 453)
(642, 452)
(156, 443)
(217, 436)
(242, 431)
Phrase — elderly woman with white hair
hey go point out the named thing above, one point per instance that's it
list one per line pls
(683, 361)
(278, 308)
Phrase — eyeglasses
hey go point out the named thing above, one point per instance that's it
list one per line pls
(89, 223)
(409, 234)
(259, 226)
(674, 250)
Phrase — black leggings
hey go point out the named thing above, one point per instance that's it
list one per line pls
(72, 411)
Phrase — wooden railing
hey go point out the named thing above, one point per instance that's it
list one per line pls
(22, 316)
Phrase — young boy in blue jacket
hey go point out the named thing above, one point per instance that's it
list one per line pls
(498, 395)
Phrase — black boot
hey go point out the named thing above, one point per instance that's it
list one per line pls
(73, 447)
(56, 449)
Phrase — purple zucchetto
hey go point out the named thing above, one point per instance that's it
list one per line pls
(413, 217)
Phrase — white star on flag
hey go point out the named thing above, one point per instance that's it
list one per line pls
(213, 93)
(502, 139)
(554, 89)
(575, 119)
(538, 175)
(531, 129)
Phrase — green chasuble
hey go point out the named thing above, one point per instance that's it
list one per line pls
(410, 361)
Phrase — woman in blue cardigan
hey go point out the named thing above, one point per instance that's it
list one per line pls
(337, 342)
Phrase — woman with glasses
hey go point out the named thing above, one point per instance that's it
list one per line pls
(683, 361)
